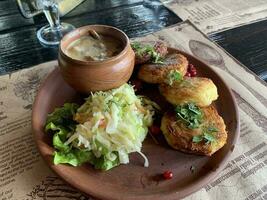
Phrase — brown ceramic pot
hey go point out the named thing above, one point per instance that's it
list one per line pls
(88, 76)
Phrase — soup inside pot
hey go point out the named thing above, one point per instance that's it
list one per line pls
(89, 48)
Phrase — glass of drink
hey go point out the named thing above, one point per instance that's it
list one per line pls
(50, 34)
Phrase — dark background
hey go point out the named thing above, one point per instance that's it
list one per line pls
(19, 47)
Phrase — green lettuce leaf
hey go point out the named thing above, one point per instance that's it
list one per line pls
(58, 129)
(59, 144)
(74, 157)
(103, 163)
(60, 123)
(63, 116)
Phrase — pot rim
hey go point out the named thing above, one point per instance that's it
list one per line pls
(96, 62)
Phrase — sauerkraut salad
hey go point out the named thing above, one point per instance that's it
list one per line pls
(104, 130)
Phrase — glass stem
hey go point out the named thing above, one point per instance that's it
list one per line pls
(52, 15)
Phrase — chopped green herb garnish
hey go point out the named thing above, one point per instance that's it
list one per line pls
(197, 138)
(173, 75)
(137, 47)
(207, 135)
(190, 114)
(212, 129)
(143, 50)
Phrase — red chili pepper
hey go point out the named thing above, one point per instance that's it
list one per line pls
(154, 129)
(167, 175)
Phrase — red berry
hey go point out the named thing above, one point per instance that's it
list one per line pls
(193, 70)
(190, 66)
(137, 84)
(188, 74)
(167, 175)
(154, 129)
(193, 73)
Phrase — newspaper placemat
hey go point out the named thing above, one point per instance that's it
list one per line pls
(212, 16)
(25, 176)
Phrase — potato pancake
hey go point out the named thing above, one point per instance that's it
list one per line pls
(208, 138)
(158, 73)
(201, 91)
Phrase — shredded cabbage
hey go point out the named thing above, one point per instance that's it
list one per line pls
(113, 124)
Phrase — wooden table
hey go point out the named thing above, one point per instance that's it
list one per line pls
(21, 49)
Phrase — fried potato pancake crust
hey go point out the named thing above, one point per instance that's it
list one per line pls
(158, 46)
(180, 137)
(157, 73)
(201, 91)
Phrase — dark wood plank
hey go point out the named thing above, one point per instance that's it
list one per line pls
(93, 7)
(8, 7)
(9, 22)
(10, 16)
(21, 48)
(135, 20)
(248, 44)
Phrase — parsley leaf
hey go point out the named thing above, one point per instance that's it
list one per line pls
(212, 129)
(147, 50)
(197, 138)
(207, 135)
(190, 114)
(136, 45)
(174, 75)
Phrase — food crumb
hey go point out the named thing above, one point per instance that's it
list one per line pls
(192, 169)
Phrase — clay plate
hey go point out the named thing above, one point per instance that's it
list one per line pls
(133, 181)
